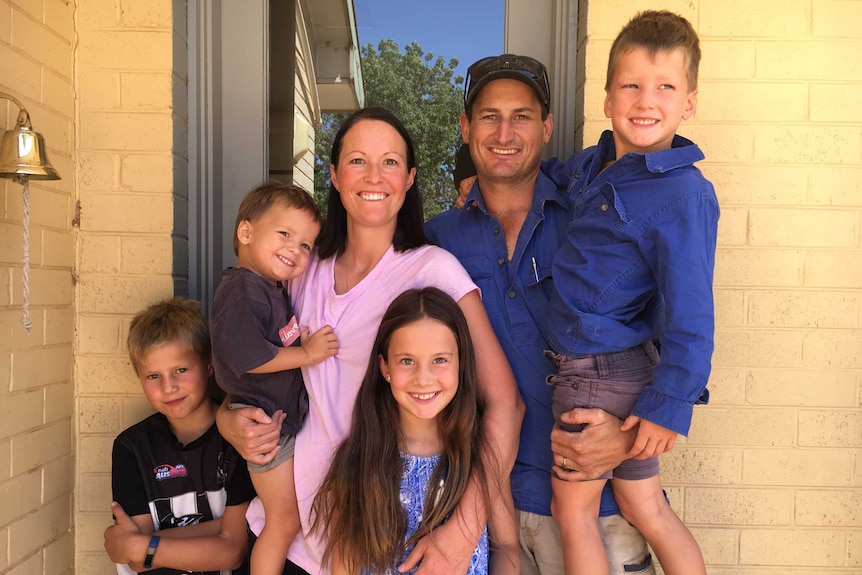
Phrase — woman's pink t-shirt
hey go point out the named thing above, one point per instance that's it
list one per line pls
(334, 383)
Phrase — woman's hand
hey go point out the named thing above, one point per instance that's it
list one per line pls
(251, 431)
(598, 448)
(446, 551)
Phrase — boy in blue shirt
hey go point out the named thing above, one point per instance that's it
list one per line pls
(637, 265)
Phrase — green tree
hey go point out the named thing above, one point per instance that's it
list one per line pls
(422, 92)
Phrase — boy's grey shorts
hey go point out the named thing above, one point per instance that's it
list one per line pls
(609, 381)
(286, 442)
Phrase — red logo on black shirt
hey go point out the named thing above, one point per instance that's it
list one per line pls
(169, 471)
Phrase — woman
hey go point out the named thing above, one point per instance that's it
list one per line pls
(371, 249)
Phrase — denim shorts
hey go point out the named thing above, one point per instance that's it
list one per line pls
(609, 381)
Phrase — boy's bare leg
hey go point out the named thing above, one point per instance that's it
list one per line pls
(277, 493)
(644, 505)
(575, 506)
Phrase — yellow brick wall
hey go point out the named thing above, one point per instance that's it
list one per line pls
(131, 87)
(770, 478)
(36, 390)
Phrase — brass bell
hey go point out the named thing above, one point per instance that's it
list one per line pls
(22, 151)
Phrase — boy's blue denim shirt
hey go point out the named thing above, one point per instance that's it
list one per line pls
(516, 295)
(638, 264)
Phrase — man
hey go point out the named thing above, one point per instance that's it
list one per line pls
(506, 235)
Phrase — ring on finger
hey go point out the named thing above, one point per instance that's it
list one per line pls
(563, 463)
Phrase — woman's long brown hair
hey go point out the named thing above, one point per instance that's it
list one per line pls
(358, 508)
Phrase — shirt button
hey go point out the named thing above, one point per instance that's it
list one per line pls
(496, 231)
(501, 261)
(604, 207)
(512, 294)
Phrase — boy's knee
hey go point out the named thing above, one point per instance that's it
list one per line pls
(645, 514)
(625, 547)
(571, 511)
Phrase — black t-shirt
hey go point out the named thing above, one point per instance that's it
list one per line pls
(250, 319)
(176, 484)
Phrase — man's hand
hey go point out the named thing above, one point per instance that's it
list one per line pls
(319, 345)
(124, 542)
(251, 431)
(652, 439)
(454, 560)
(595, 450)
(463, 191)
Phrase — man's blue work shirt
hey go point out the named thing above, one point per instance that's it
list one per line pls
(516, 295)
(638, 263)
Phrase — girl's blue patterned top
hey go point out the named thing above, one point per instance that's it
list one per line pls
(414, 485)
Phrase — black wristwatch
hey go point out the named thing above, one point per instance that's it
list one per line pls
(151, 551)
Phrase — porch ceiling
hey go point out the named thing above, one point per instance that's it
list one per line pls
(336, 55)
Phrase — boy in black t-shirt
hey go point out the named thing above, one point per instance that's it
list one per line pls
(180, 490)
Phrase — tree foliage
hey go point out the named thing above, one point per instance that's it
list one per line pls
(421, 90)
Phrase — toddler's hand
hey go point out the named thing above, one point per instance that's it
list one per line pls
(652, 439)
(320, 344)
(463, 191)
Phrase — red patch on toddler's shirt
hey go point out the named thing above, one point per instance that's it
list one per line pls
(290, 332)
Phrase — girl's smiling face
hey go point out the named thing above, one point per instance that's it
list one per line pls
(422, 369)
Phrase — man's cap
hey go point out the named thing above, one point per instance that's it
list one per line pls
(528, 70)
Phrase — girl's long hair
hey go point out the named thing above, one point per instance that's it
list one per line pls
(358, 508)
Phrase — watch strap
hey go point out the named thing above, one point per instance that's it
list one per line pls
(151, 551)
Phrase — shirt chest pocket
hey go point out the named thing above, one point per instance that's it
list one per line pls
(481, 272)
(600, 217)
(537, 294)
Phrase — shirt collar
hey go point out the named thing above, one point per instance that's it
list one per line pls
(683, 152)
(474, 198)
(545, 190)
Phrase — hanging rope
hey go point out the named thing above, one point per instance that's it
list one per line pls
(25, 318)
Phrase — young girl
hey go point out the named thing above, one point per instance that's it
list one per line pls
(414, 438)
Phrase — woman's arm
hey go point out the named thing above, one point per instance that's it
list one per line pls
(498, 390)
(337, 565)
(250, 430)
(453, 542)
(127, 540)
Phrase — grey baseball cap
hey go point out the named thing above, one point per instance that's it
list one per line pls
(523, 68)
